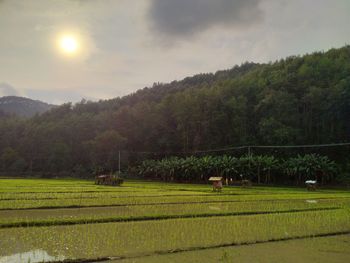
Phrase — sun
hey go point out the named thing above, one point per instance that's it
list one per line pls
(69, 44)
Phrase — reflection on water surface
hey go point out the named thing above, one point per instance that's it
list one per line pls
(33, 256)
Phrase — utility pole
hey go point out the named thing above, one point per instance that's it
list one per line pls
(119, 162)
(249, 157)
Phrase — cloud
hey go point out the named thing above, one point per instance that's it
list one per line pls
(186, 18)
(7, 89)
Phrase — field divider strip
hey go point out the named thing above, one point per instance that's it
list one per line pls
(111, 197)
(153, 218)
(138, 196)
(168, 203)
(70, 192)
(188, 249)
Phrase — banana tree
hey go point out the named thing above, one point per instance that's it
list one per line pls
(229, 166)
(269, 163)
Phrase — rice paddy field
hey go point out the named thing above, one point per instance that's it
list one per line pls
(48, 220)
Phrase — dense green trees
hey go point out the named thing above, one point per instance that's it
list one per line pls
(297, 100)
(258, 168)
(310, 167)
(11, 161)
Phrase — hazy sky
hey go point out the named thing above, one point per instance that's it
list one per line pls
(125, 45)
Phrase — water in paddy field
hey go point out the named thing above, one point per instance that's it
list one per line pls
(32, 256)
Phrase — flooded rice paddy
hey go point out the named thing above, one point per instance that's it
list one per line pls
(51, 221)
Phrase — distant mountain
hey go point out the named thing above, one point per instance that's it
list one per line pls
(23, 107)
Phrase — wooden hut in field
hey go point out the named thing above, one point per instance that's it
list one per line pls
(217, 183)
(108, 180)
(311, 185)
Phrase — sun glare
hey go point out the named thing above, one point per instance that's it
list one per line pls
(69, 44)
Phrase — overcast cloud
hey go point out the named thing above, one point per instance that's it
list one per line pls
(129, 44)
(187, 18)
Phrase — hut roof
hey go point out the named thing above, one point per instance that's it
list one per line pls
(213, 179)
(311, 182)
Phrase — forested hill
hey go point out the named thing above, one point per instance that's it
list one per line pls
(159, 90)
(297, 100)
(23, 107)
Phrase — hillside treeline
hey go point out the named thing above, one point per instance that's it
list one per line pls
(297, 100)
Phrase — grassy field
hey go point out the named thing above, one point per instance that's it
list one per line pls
(56, 220)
